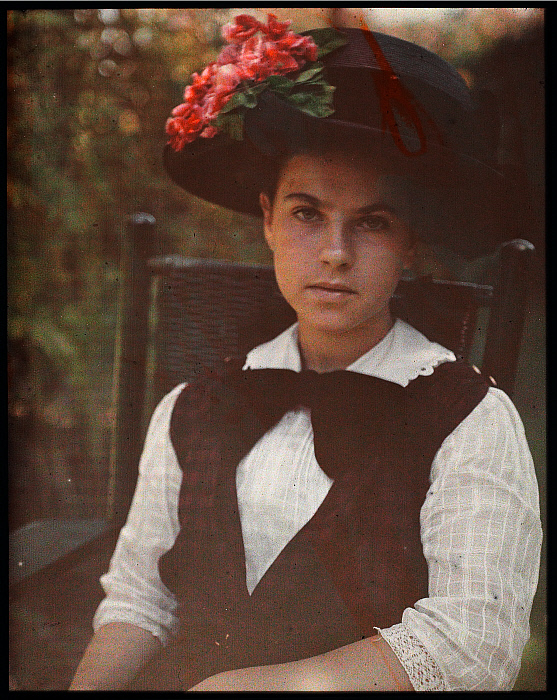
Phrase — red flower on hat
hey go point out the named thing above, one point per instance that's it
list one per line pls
(244, 27)
(185, 125)
(275, 29)
(260, 59)
(255, 51)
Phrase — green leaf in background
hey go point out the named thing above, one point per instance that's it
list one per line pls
(51, 339)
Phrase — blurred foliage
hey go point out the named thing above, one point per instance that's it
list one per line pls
(89, 91)
(88, 95)
(458, 34)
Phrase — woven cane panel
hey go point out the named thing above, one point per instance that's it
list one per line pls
(207, 311)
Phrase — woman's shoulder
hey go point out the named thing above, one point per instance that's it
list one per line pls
(166, 404)
(160, 417)
(497, 412)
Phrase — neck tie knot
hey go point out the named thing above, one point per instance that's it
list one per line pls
(348, 410)
(310, 387)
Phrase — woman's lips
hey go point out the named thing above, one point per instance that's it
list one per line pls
(329, 291)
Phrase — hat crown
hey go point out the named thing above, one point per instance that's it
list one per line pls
(396, 102)
(404, 58)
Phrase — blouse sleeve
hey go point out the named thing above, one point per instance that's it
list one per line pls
(133, 588)
(481, 535)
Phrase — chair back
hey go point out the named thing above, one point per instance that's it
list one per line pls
(181, 316)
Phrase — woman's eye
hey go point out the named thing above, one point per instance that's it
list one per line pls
(307, 214)
(374, 223)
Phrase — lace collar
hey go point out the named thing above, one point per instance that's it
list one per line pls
(402, 355)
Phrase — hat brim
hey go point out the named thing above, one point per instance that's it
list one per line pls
(428, 130)
(219, 170)
(229, 173)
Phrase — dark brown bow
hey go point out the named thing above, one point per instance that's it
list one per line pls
(349, 411)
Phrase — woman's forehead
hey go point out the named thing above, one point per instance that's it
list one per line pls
(341, 174)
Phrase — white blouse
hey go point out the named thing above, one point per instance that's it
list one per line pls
(480, 524)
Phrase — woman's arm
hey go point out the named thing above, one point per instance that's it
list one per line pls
(136, 617)
(368, 665)
(481, 533)
(115, 654)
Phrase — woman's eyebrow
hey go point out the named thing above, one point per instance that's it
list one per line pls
(367, 209)
(303, 195)
(378, 206)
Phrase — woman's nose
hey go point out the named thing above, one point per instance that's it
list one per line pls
(335, 247)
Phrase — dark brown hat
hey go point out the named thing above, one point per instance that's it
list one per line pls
(406, 106)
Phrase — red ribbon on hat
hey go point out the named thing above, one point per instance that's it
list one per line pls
(393, 93)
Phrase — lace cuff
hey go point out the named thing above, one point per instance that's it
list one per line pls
(422, 669)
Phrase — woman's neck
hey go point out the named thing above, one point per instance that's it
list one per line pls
(326, 352)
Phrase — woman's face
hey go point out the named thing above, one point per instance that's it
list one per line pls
(338, 233)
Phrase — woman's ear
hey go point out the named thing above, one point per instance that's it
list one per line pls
(267, 209)
(411, 253)
(410, 257)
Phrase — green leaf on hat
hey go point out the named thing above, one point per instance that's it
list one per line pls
(249, 99)
(280, 84)
(244, 98)
(313, 104)
(232, 124)
(310, 74)
(327, 40)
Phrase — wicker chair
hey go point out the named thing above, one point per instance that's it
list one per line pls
(182, 315)
(177, 317)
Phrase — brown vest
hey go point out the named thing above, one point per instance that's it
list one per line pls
(356, 565)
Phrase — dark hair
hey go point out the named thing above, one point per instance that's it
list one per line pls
(313, 143)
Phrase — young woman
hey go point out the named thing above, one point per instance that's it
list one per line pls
(349, 507)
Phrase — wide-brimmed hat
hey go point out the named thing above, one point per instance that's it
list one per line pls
(406, 106)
